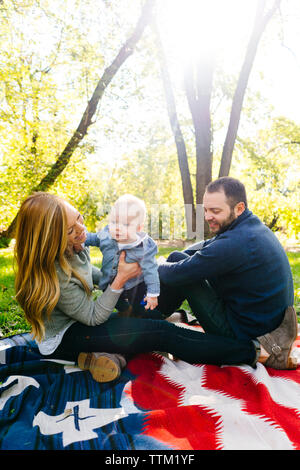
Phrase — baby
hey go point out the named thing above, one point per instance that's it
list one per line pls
(124, 232)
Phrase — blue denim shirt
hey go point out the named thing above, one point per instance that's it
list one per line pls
(144, 254)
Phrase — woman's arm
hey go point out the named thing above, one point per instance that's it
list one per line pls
(76, 303)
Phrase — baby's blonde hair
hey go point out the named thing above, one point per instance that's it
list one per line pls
(131, 206)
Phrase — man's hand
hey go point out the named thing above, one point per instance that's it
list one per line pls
(151, 303)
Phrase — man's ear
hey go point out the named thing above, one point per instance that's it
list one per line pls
(239, 208)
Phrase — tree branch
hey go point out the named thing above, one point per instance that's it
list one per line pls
(86, 120)
(273, 149)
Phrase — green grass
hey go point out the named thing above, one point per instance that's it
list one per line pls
(294, 259)
(12, 319)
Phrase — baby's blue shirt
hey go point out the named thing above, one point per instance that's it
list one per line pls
(144, 254)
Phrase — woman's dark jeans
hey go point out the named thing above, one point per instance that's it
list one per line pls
(131, 336)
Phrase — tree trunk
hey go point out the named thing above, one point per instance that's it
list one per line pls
(198, 81)
(260, 24)
(198, 86)
(190, 212)
(86, 120)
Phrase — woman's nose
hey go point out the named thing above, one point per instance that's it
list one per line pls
(79, 227)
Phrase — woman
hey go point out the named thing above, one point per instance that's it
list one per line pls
(54, 285)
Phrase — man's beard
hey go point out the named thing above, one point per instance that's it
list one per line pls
(226, 223)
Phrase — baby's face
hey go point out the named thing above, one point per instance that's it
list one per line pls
(123, 228)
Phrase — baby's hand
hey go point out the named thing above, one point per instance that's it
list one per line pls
(78, 247)
(151, 303)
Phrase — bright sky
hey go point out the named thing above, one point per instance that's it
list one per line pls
(220, 27)
(223, 27)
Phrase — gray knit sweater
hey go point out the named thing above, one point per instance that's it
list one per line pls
(74, 304)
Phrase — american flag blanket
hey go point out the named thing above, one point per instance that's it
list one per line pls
(157, 403)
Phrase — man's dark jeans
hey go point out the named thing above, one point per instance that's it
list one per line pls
(207, 307)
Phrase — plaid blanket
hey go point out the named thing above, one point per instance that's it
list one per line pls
(157, 404)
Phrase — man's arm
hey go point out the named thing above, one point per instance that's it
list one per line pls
(216, 258)
(197, 246)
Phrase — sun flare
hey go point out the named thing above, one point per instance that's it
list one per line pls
(204, 28)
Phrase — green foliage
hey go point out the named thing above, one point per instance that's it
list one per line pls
(52, 56)
(4, 242)
(269, 165)
(49, 64)
(151, 174)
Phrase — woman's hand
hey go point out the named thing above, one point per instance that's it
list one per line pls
(125, 272)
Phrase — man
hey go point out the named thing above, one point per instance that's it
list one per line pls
(238, 283)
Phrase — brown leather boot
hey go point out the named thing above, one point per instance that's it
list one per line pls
(279, 342)
(104, 367)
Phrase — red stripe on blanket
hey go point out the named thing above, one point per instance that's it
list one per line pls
(190, 427)
(150, 390)
(241, 385)
(211, 407)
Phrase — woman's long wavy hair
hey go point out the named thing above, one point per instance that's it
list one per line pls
(41, 239)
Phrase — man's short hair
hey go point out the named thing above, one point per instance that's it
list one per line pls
(234, 190)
